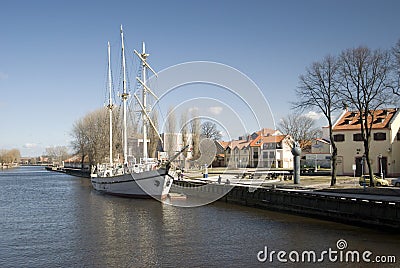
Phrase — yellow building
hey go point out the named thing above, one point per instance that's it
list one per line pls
(384, 144)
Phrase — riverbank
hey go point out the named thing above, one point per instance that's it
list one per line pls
(77, 172)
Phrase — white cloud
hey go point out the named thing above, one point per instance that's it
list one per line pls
(193, 109)
(314, 115)
(30, 145)
(3, 76)
(216, 110)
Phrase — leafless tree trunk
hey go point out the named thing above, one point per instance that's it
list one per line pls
(318, 88)
(365, 84)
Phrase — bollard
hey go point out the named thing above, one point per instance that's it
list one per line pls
(296, 151)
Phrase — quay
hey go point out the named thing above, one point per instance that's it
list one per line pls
(8, 165)
(375, 207)
(77, 172)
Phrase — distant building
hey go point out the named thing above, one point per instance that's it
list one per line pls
(236, 153)
(265, 149)
(320, 154)
(173, 143)
(276, 152)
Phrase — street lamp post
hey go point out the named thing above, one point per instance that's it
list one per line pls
(315, 163)
(380, 165)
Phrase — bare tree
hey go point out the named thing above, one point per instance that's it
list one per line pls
(318, 89)
(195, 131)
(170, 130)
(91, 136)
(209, 130)
(396, 68)
(57, 153)
(365, 87)
(10, 156)
(184, 130)
(153, 136)
(79, 141)
(301, 128)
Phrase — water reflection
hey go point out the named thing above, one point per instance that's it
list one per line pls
(49, 220)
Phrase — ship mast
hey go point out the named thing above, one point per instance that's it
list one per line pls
(110, 104)
(143, 104)
(124, 97)
(144, 101)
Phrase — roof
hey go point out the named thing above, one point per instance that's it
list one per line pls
(274, 139)
(322, 141)
(255, 142)
(350, 120)
(240, 144)
(224, 144)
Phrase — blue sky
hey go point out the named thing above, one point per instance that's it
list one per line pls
(53, 53)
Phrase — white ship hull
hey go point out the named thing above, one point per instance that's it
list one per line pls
(148, 184)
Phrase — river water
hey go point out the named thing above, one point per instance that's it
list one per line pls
(56, 220)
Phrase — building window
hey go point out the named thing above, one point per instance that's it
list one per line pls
(279, 145)
(357, 137)
(398, 136)
(271, 154)
(271, 145)
(255, 155)
(380, 136)
(338, 137)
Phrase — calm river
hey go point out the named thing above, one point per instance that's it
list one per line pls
(55, 220)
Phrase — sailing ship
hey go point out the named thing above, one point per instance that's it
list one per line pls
(147, 178)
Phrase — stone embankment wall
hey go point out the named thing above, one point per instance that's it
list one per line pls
(347, 209)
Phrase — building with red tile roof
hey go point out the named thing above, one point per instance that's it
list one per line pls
(276, 152)
(384, 143)
(265, 148)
